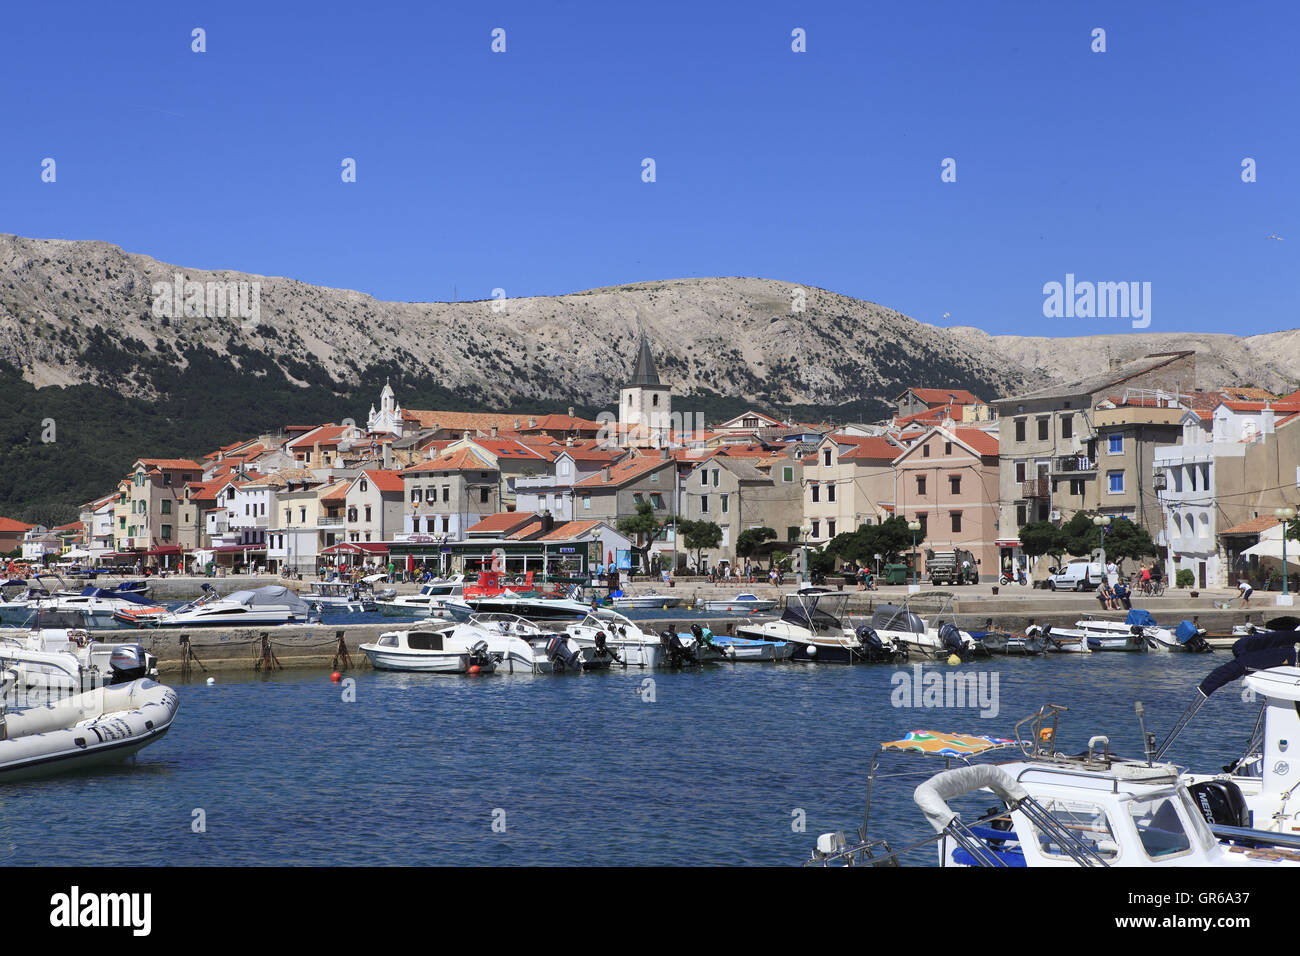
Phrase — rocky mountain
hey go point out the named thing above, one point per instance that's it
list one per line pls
(144, 367)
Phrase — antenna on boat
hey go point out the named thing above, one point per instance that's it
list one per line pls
(1148, 739)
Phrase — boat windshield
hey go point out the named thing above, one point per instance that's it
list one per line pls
(1086, 821)
(1159, 826)
(815, 611)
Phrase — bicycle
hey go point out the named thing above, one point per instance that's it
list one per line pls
(1153, 588)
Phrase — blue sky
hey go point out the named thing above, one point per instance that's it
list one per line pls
(522, 170)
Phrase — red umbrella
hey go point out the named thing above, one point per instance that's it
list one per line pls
(609, 557)
(410, 562)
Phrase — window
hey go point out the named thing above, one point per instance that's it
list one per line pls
(787, 474)
(1020, 471)
(1076, 487)
(586, 502)
(956, 520)
(791, 534)
(925, 450)
(1067, 426)
(1020, 430)
(166, 532)
(1021, 516)
(1043, 428)
(654, 476)
(1159, 827)
(830, 529)
(704, 477)
(816, 530)
(723, 499)
(352, 514)
(925, 524)
(446, 492)
(416, 495)
(165, 506)
(1115, 479)
(920, 484)
(830, 492)
(954, 484)
(656, 501)
(826, 457)
(816, 492)
(1116, 446)
(704, 504)
(302, 515)
(367, 513)
(654, 400)
(1086, 821)
(637, 498)
(483, 496)
(364, 486)
(715, 477)
(947, 448)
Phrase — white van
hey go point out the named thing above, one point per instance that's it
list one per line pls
(1079, 575)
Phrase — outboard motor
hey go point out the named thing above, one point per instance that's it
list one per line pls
(481, 657)
(951, 639)
(130, 662)
(703, 639)
(603, 649)
(1221, 802)
(561, 655)
(873, 648)
(678, 653)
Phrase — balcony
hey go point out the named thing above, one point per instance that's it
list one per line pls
(330, 521)
(1073, 464)
(1035, 488)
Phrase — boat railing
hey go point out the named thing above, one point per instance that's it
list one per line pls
(1042, 742)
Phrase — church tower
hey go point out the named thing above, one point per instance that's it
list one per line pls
(389, 417)
(645, 405)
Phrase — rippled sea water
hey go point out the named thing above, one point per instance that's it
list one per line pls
(581, 769)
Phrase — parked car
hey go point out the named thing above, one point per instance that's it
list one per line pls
(1080, 575)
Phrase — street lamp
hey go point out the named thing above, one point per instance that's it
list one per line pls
(1102, 521)
(806, 531)
(914, 526)
(1284, 514)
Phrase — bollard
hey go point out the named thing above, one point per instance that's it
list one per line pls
(341, 659)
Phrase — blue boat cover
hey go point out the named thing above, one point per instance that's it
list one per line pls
(1185, 632)
(1140, 617)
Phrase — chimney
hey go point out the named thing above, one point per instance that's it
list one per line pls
(466, 435)
(663, 453)
(388, 455)
(569, 441)
(604, 474)
(532, 422)
(494, 431)
(315, 455)
(516, 424)
(571, 411)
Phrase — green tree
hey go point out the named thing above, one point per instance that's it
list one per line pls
(644, 529)
(1079, 536)
(1041, 537)
(748, 541)
(1127, 539)
(699, 535)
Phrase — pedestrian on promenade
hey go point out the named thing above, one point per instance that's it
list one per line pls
(1246, 591)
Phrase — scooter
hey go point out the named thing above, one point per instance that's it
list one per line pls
(1021, 579)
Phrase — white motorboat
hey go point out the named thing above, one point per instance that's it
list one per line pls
(899, 625)
(1093, 809)
(813, 624)
(532, 605)
(1261, 788)
(523, 646)
(1063, 640)
(646, 601)
(606, 636)
(96, 727)
(340, 596)
(60, 656)
(431, 649)
(742, 649)
(440, 599)
(100, 605)
(1185, 637)
(1099, 635)
(740, 604)
(273, 604)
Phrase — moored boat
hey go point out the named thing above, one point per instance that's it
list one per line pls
(430, 650)
(743, 603)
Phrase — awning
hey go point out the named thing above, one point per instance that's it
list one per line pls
(231, 548)
(1007, 543)
(165, 549)
(1272, 548)
(357, 547)
(946, 745)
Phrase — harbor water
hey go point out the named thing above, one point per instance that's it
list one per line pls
(729, 764)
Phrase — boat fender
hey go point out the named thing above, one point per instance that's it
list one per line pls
(811, 650)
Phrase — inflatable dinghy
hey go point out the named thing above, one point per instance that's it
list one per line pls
(96, 727)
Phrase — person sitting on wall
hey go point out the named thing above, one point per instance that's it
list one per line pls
(1105, 596)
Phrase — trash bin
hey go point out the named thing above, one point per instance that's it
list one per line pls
(895, 574)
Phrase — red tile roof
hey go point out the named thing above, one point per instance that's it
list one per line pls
(942, 396)
(171, 464)
(872, 448)
(386, 480)
(9, 525)
(982, 441)
(624, 472)
(326, 435)
(1253, 525)
(460, 460)
(570, 529)
(503, 523)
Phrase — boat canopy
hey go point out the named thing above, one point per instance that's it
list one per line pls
(808, 614)
(946, 745)
(272, 594)
(1140, 617)
(891, 617)
(1185, 631)
(1254, 653)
